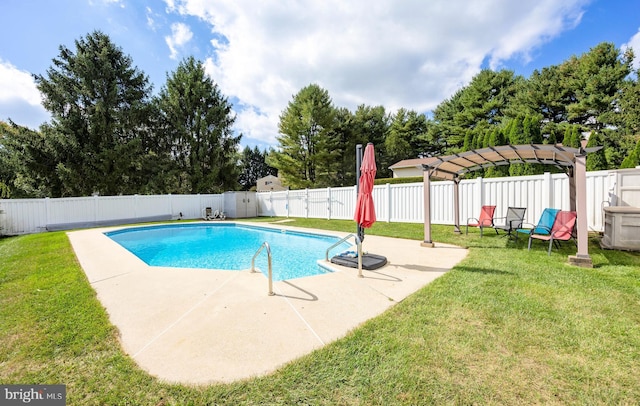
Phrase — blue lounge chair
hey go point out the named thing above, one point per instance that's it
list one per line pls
(545, 223)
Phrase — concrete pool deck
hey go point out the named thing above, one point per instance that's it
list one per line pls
(199, 326)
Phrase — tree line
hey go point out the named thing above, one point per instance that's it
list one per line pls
(109, 135)
(592, 98)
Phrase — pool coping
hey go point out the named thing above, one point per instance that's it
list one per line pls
(198, 326)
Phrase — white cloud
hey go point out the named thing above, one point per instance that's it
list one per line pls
(151, 22)
(180, 36)
(17, 85)
(20, 99)
(411, 54)
(634, 43)
(107, 2)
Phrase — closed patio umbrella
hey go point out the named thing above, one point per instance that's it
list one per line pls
(365, 214)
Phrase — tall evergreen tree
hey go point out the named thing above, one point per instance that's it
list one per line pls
(253, 166)
(572, 137)
(596, 82)
(630, 105)
(308, 154)
(99, 104)
(445, 131)
(197, 123)
(517, 135)
(346, 136)
(547, 93)
(633, 159)
(483, 103)
(596, 161)
(406, 135)
(469, 141)
(370, 124)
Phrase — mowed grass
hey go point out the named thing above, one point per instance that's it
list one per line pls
(505, 326)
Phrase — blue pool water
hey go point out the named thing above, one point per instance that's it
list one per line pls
(228, 246)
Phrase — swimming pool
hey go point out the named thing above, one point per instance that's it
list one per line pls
(228, 246)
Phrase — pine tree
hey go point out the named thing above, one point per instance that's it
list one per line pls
(197, 123)
(469, 141)
(633, 159)
(596, 161)
(100, 107)
(308, 151)
(253, 167)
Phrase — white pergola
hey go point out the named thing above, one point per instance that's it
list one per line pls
(571, 160)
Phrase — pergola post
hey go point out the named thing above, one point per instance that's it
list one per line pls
(456, 208)
(582, 257)
(426, 176)
(571, 172)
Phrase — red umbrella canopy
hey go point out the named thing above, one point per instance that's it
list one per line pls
(365, 214)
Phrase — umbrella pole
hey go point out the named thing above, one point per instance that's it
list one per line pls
(359, 243)
(359, 230)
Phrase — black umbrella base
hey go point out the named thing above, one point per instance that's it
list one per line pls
(369, 261)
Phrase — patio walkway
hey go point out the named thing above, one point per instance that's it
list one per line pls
(199, 326)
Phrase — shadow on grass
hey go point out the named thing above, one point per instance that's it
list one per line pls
(421, 268)
(616, 257)
(473, 269)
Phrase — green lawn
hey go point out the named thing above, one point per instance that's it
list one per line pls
(506, 326)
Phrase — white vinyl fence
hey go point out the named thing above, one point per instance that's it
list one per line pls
(25, 216)
(393, 203)
(405, 202)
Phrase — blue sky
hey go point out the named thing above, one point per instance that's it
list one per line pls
(412, 54)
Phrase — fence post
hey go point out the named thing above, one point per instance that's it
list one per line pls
(287, 203)
(95, 207)
(389, 201)
(47, 210)
(480, 190)
(136, 209)
(547, 190)
(328, 203)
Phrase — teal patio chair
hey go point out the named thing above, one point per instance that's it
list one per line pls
(562, 230)
(545, 223)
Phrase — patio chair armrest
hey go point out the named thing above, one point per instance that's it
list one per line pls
(500, 218)
(528, 229)
(515, 223)
(547, 229)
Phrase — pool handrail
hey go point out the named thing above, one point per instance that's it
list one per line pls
(358, 244)
(326, 254)
(253, 268)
